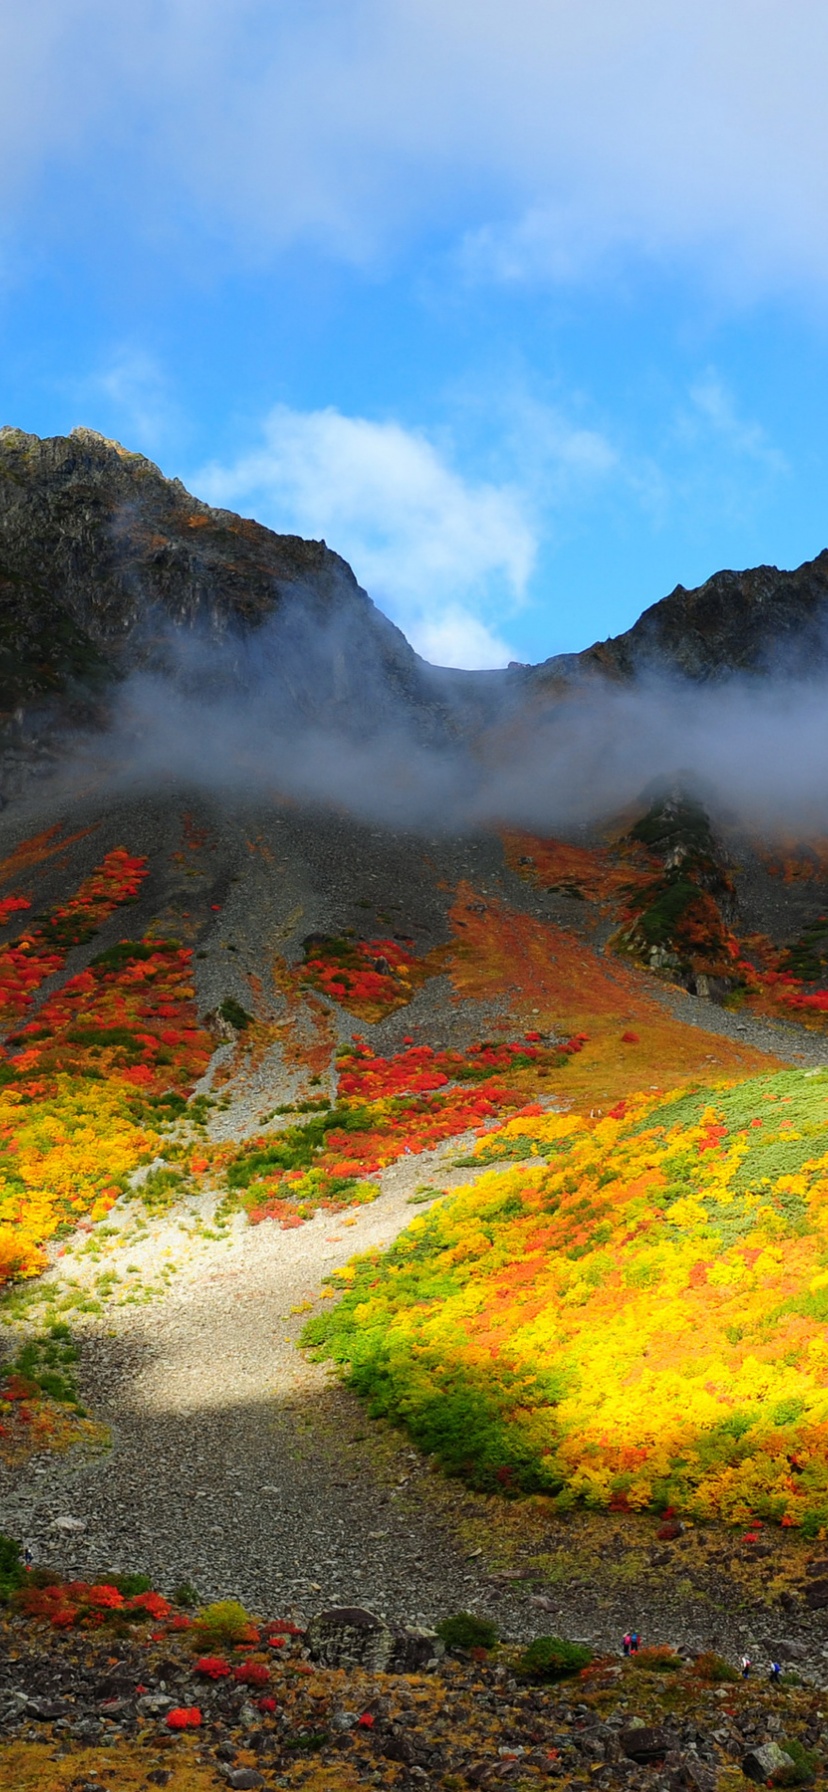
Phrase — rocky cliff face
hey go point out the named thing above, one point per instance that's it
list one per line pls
(102, 559)
(107, 567)
(753, 622)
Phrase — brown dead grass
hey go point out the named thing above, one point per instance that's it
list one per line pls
(552, 978)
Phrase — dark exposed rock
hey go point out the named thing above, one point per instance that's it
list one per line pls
(642, 1743)
(46, 1710)
(680, 915)
(415, 1648)
(749, 622)
(101, 557)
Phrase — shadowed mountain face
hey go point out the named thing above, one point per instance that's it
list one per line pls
(102, 557)
(103, 561)
(761, 621)
(240, 646)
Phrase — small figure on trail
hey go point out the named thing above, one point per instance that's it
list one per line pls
(775, 1673)
(745, 1665)
(634, 1642)
(626, 1643)
(28, 1557)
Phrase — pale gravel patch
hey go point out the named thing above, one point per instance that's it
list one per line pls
(237, 1462)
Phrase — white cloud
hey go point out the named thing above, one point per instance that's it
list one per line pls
(715, 405)
(445, 556)
(548, 132)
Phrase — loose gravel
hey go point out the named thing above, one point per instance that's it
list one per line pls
(237, 1463)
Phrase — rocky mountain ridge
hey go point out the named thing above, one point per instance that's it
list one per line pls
(106, 567)
(102, 558)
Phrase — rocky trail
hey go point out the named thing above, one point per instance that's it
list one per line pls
(237, 1464)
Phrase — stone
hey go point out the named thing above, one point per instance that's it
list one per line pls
(398, 1746)
(415, 1648)
(154, 1704)
(816, 1595)
(46, 1710)
(789, 1649)
(244, 1779)
(700, 1776)
(348, 1636)
(762, 1763)
(643, 1743)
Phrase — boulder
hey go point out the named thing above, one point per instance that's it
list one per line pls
(788, 1649)
(643, 1742)
(415, 1648)
(348, 1636)
(763, 1763)
(816, 1595)
(47, 1710)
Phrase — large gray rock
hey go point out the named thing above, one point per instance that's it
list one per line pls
(788, 1649)
(348, 1636)
(764, 1763)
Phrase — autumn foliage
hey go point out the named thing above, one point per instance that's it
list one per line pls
(636, 1321)
(83, 1080)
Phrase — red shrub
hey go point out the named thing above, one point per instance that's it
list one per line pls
(184, 1717)
(252, 1673)
(212, 1667)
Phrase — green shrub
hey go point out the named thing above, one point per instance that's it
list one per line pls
(129, 1584)
(185, 1594)
(11, 1567)
(465, 1631)
(159, 1189)
(552, 1658)
(225, 1622)
(48, 1362)
(234, 1014)
(805, 1764)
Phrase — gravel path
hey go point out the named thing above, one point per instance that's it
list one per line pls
(237, 1464)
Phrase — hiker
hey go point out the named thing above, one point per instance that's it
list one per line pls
(775, 1673)
(626, 1643)
(745, 1664)
(28, 1557)
(634, 1642)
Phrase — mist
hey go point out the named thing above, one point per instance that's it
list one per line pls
(291, 713)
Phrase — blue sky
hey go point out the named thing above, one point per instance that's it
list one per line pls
(522, 306)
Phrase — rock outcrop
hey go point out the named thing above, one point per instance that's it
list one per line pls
(107, 566)
(755, 622)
